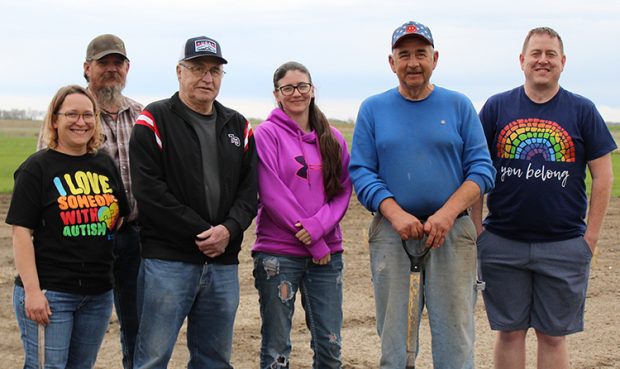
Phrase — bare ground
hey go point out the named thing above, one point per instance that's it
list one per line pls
(597, 347)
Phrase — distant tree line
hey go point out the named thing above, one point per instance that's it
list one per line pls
(21, 114)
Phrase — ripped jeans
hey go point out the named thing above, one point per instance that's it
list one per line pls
(277, 279)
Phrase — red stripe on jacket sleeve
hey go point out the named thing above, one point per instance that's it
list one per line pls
(146, 119)
(247, 133)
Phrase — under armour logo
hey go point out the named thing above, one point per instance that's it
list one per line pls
(303, 171)
(234, 139)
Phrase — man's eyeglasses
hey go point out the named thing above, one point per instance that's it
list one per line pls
(288, 90)
(72, 116)
(200, 71)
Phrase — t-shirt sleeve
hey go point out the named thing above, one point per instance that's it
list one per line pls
(488, 118)
(598, 140)
(26, 203)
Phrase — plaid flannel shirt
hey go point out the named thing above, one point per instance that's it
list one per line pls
(116, 145)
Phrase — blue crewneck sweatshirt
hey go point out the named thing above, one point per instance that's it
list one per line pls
(418, 152)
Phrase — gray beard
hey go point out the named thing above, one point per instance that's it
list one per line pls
(110, 98)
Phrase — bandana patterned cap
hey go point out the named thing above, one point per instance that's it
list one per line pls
(412, 28)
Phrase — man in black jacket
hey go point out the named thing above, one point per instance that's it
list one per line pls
(193, 166)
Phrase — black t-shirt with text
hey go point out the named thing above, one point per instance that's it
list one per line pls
(73, 204)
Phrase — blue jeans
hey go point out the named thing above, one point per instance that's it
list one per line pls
(126, 266)
(170, 291)
(448, 290)
(277, 279)
(75, 332)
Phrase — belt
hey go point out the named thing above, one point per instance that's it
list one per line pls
(424, 218)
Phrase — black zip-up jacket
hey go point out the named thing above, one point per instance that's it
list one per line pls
(167, 181)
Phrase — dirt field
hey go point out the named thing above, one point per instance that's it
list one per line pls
(597, 347)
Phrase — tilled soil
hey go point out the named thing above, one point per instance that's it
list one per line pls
(597, 347)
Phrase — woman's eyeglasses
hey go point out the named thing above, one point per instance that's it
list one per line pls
(73, 116)
(288, 90)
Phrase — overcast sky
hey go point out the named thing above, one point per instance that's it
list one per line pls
(344, 44)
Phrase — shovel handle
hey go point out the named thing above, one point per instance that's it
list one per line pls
(413, 318)
(415, 260)
(41, 345)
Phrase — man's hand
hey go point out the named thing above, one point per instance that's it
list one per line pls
(436, 228)
(406, 225)
(591, 240)
(476, 215)
(303, 235)
(602, 180)
(213, 241)
(440, 223)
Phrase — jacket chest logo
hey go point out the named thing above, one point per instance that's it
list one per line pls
(234, 139)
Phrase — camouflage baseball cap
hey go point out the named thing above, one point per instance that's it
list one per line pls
(103, 45)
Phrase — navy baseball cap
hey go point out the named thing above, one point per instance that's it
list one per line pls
(200, 46)
(412, 28)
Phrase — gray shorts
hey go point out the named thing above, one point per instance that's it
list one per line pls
(540, 284)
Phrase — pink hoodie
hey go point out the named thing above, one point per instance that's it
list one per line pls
(290, 188)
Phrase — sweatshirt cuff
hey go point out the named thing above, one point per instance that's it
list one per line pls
(233, 228)
(378, 199)
(479, 180)
(319, 249)
(314, 228)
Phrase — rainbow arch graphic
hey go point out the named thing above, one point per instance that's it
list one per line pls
(526, 138)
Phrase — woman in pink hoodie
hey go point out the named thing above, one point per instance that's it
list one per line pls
(304, 191)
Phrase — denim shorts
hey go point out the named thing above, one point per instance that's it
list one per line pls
(541, 285)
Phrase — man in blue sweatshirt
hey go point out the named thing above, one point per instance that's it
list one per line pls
(419, 160)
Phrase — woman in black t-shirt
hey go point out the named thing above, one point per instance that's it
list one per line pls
(67, 203)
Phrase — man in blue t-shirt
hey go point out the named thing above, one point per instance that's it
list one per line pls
(535, 248)
(418, 161)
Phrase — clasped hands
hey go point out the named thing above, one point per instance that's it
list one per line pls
(213, 241)
(435, 228)
(303, 236)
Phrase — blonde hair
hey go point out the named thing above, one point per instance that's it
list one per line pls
(50, 134)
(542, 31)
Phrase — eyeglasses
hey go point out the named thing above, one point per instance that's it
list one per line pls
(288, 90)
(72, 116)
(200, 71)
